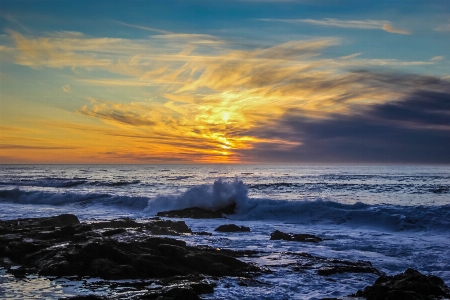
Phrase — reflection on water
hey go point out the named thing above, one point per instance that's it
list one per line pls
(30, 287)
(52, 288)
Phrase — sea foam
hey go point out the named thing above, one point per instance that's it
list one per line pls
(223, 193)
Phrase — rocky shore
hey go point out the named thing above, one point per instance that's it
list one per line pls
(126, 249)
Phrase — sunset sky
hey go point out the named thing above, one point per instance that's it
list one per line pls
(225, 81)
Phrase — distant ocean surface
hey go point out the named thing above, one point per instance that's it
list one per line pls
(394, 216)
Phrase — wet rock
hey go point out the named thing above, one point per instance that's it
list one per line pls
(232, 228)
(177, 226)
(202, 233)
(117, 223)
(75, 250)
(84, 297)
(336, 266)
(278, 235)
(171, 251)
(60, 221)
(179, 293)
(198, 213)
(409, 285)
(114, 231)
(21, 225)
(202, 288)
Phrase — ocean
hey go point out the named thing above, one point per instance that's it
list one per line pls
(395, 216)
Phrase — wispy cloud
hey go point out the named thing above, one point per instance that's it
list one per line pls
(388, 27)
(437, 58)
(443, 28)
(144, 27)
(356, 24)
(124, 114)
(205, 102)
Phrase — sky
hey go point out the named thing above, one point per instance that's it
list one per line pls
(225, 81)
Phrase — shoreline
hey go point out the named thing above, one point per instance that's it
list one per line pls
(124, 236)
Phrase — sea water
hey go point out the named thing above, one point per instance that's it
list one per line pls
(395, 216)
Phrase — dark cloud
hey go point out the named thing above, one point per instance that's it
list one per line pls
(415, 129)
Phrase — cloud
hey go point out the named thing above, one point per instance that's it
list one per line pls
(194, 102)
(117, 113)
(356, 24)
(414, 129)
(388, 27)
(437, 58)
(443, 28)
(66, 88)
(351, 56)
(30, 147)
(144, 27)
(14, 21)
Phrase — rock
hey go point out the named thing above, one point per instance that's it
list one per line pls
(171, 251)
(117, 223)
(114, 231)
(202, 288)
(180, 293)
(22, 225)
(342, 266)
(202, 233)
(177, 226)
(198, 213)
(75, 250)
(85, 297)
(278, 235)
(232, 228)
(59, 221)
(409, 285)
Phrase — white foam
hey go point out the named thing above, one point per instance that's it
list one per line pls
(223, 193)
(218, 195)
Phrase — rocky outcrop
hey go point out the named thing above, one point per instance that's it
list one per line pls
(198, 213)
(409, 285)
(116, 249)
(232, 228)
(278, 235)
(338, 266)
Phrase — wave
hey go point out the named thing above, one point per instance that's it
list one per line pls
(223, 193)
(68, 198)
(407, 188)
(67, 183)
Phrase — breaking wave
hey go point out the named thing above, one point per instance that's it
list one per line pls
(223, 193)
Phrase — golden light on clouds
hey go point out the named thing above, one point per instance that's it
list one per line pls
(180, 98)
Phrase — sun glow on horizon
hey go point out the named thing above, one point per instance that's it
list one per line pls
(144, 94)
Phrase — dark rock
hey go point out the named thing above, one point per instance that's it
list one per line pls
(202, 233)
(198, 213)
(411, 285)
(59, 221)
(180, 293)
(177, 226)
(342, 266)
(114, 231)
(232, 228)
(77, 250)
(82, 228)
(85, 297)
(67, 230)
(105, 268)
(278, 235)
(202, 288)
(171, 251)
(155, 241)
(118, 223)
